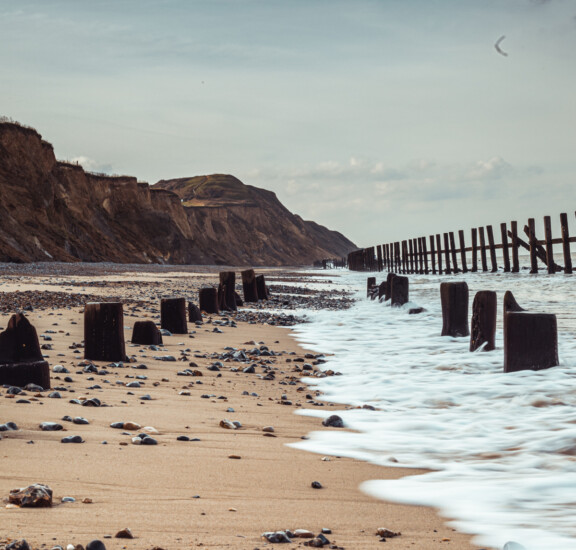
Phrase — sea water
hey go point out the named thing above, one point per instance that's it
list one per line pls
(501, 447)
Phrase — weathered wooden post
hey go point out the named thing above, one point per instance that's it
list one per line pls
(530, 339)
(492, 246)
(173, 315)
(533, 245)
(404, 256)
(146, 333)
(425, 253)
(454, 298)
(505, 254)
(208, 300)
(447, 254)
(410, 256)
(483, 321)
(21, 360)
(227, 287)
(566, 244)
(104, 331)
(379, 254)
(439, 251)
(194, 313)
(462, 251)
(483, 249)
(370, 283)
(453, 249)
(474, 250)
(399, 293)
(549, 250)
(249, 285)
(432, 254)
(388, 289)
(515, 247)
(263, 292)
(381, 290)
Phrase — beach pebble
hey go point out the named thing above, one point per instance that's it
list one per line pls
(33, 387)
(303, 534)
(228, 424)
(61, 369)
(326, 531)
(18, 545)
(333, 421)
(124, 534)
(128, 425)
(87, 500)
(150, 430)
(268, 429)
(72, 439)
(182, 438)
(146, 397)
(316, 485)
(67, 499)
(95, 545)
(386, 533)
(92, 402)
(276, 536)
(33, 496)
(51, 426)
(8, 426)
(80, 420)
(319, 542)
(55, 395)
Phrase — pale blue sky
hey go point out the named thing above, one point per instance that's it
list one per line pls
(381, 119)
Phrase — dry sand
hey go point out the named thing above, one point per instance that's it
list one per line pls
(184, 494)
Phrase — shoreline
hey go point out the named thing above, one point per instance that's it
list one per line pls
(183, 494)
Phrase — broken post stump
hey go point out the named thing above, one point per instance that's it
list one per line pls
(227, 300)
(370, 283)
(400, 291)
(194, 313)
(263, 293)
(530, 341)
(454, 298)
(104, 331)
(388, 294)
(382, 290)
(483, 321)
(249, 285)
(146, 333)
(208, 300)
(21, 361)
(173, 315)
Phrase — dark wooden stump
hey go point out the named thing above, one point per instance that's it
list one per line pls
(510, 303)
(21, 361)
(227, 300)
(104, 331)
(399, 294)
(263, 293)
(370, 283)
(483, 321)
(249, 286)
(382, 289)
(454, 298)
(388, 294)
(194, 313)
(173, 315)
(238, 299)
(208, 300)
(146, 333)
(530, 341)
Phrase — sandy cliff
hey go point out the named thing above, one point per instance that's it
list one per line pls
(51, 210)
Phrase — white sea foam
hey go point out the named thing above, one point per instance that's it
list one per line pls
(502, 446)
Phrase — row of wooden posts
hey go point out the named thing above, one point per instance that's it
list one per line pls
(530, 338)
(21, 360)
(441, 255)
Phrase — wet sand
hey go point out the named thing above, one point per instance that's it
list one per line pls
(221, 491)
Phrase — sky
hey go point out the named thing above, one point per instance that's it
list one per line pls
(381, 119)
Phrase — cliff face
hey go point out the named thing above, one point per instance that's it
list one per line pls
(51, 210)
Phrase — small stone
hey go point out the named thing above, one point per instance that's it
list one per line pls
(51, 427)
(67, 499)
(95, 545)
(316, 485)
(72, 439)
(333, 421)
(303, 534)
(268, 429)
(18, 545)
(182, 438)
(87, 500)
(124, 534)
(33, 496)
(80, 420)
(8, 427)
(386, 533)
(132, 426)
(227, 424)
(237, 457)
(276, 536)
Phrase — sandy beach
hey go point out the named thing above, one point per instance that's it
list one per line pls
(221, 488)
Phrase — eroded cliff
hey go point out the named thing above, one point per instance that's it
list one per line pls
(51, 210)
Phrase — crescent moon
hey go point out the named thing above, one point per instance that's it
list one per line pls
(497, 46)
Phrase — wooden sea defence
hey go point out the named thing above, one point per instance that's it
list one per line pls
(486, 251)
